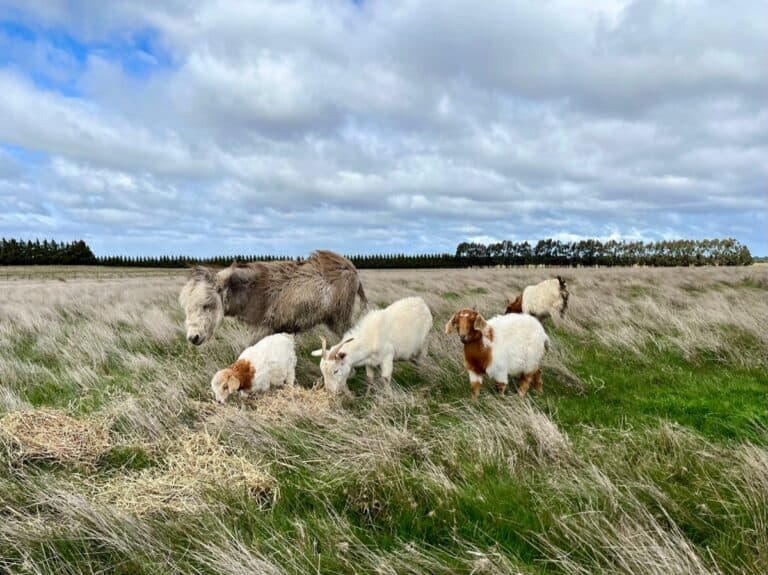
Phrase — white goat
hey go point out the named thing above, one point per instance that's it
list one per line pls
(502, 346)
(380, 337)
(544, 299)
(269, 363)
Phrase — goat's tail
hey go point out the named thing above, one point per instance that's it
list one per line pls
(564, 295)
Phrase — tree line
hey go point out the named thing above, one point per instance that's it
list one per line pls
(48, 252)
(549, 252)
(722, 252)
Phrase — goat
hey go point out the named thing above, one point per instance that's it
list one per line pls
(380, 337)
(542, 300)
(269, 363)
(502, 346)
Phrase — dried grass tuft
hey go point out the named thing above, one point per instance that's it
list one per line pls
(276, 405)
(51, 435)
(292, 402)
(196, 467)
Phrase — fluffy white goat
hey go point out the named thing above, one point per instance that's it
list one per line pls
(269, 363)
(380, 337)
(544, 299)
(504, 345)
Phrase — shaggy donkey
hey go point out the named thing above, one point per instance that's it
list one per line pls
(283, 296)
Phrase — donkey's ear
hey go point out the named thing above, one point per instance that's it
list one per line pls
(224, 279)
(203, 273)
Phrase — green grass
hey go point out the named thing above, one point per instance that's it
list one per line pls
(450, 296)
(126, 458)
(722, 402)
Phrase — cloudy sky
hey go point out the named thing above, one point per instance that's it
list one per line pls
(166, 126)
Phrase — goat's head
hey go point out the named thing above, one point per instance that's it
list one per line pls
(203, 306)
(515, 306)
(224, 383)
(334, 365)
(468, 323)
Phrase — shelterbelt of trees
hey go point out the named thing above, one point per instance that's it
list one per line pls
(721, 252)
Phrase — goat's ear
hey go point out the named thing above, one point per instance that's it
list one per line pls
(317, 353)
(480, 323)
(233, 384)
(336, 353)
(450, 324)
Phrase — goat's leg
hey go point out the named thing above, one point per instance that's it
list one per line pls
(370, 375)
(474, 382)
(525, 383)
(423, 354)
(538, 383)
(387, 366)
(501, 386)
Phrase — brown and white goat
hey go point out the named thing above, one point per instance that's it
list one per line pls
(544, 299)
(269, 363)
(502, 346)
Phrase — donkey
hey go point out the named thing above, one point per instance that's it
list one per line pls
(281, 296)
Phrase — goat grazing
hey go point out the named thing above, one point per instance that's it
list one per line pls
(542, 300)
(282, 296)
(504, 345)
(269, 363)
(380, 337)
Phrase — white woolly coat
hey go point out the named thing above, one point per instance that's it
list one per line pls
(398, 331)
(518, 345)
(274, 359)
(543, 299)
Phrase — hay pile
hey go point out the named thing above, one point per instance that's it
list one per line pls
(292, 401)
(49, 434)
(196, 466)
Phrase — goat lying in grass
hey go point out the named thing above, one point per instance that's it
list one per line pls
(269, 363)
(504, 345)
(542, 300)
(379, 338)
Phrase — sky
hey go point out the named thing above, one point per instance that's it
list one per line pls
(209, 128)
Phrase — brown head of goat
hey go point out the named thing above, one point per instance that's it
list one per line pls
(516, 305)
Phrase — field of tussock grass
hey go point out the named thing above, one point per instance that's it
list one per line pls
(647, 453)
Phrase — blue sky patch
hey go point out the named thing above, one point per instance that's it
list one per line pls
(65, 59)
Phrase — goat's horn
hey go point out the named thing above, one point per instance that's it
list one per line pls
(324, 344)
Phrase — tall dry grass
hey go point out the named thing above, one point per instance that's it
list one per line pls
(341, 473)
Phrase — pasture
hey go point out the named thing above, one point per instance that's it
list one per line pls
(646, 453)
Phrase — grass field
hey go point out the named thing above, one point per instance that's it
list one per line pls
(647, 452)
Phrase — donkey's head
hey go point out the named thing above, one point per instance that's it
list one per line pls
(201, 299)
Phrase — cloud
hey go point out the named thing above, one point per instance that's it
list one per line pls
(404, 126)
